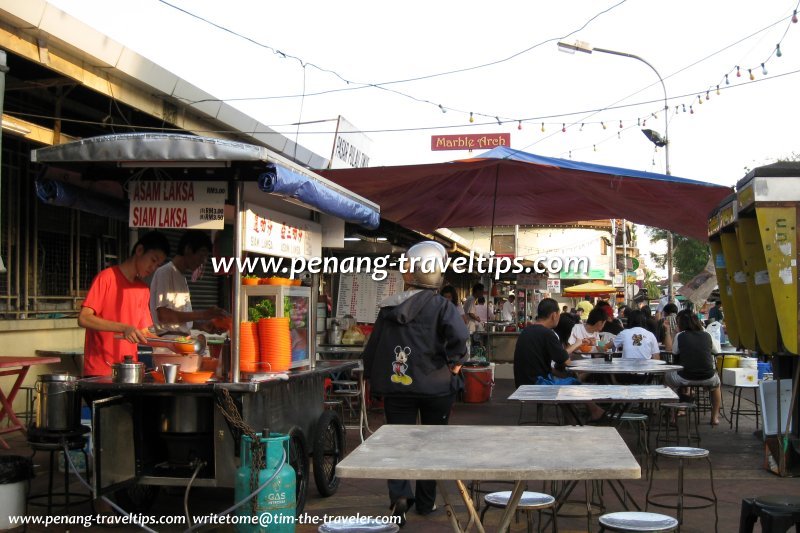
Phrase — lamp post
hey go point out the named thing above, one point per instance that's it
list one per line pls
(582, 46)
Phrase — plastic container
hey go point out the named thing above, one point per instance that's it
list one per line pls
(15, 471)
(763, 368)
(731, 361)
(748, 362)
(478, 383)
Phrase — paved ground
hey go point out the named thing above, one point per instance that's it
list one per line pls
(738, 460)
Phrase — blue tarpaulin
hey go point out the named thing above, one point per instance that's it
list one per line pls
(65, 195)
(280, 180)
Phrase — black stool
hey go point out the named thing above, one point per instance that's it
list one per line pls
(683, 454)
(630, 522)
(701, 398)
(736, 404)
(667, 413)
(55, 442)
(777, 513)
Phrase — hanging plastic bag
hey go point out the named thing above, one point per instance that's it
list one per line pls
(353, 336)
(715, 330)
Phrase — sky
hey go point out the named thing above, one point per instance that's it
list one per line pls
(691, 44)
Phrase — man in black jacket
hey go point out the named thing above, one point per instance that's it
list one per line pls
(413, 358)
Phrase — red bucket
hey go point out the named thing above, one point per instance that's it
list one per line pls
(478, 384)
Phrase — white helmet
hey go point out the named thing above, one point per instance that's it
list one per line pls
(426, 272)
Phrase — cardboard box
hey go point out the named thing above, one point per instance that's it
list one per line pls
(741, 377)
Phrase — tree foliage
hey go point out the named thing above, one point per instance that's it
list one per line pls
(689, 256)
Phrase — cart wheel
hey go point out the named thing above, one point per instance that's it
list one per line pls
(137, 498)
(328, 451)
(298, 458)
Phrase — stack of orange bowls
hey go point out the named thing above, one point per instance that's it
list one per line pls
(248, 347)
(275, 343)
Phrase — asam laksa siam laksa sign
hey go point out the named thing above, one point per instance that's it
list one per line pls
(473, 141)
(177, 204)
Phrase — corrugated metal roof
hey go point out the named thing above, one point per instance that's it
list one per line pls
(57, 29)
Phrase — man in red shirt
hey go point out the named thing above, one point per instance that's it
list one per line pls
(119, 303)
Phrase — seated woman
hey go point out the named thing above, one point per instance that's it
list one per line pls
(636, 342)
(694, 345)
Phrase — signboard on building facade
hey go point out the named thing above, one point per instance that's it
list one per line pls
(177, 204)
(553, 285)
(351, 148)
(474, 141)
(270, 232)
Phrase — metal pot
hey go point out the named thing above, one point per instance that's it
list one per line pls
(187, 414)
(129, 371)
(58, 404)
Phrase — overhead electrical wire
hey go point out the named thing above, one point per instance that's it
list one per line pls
(395, 130)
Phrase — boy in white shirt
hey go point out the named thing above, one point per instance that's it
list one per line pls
(588, 333)
(636, 341)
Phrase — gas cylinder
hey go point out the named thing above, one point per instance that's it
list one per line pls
(275, 504)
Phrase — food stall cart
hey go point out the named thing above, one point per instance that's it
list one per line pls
(180, 435)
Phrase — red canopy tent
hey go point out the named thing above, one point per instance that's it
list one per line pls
(509, 187)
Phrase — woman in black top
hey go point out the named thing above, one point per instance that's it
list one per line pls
(693, 346)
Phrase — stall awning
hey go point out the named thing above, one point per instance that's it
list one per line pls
(278, 175)
(509, 187)
(588, 289)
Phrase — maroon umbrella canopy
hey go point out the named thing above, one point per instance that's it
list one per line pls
(508, 187)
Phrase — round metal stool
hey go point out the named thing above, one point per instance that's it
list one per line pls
(639, 422)
(55, 442)
(530, 501)
(683, 454)
(667, 413)
(736, 404)
(777, 513)
(356, 525)
(638, 522)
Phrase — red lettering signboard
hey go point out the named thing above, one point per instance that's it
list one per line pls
(177, 204)
(472, 141)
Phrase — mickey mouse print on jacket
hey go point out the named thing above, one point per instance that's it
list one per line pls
(418, 337)
(399, 366)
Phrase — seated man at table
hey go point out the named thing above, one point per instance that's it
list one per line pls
(588, 333)
(635, 341)
(539, 352)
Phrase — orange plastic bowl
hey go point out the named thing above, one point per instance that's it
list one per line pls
(184, 347)
(585, 348)
(196, 377)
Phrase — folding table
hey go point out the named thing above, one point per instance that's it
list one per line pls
(16, 366)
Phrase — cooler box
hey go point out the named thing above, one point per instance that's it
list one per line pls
(740, 377)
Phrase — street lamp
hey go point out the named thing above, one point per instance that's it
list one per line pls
(582, 46)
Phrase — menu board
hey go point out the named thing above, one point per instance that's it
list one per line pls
(360, 295)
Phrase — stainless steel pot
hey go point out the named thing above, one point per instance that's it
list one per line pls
(129, 371)
(58, 405)
(187, 414)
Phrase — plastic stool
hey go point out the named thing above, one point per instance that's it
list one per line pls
(665, 416)
(736, 406)
(777, 513)
(530, 501)
(356, 525)
(683, 454)
(638, 522)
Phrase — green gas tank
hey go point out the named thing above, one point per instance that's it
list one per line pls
(275, 504)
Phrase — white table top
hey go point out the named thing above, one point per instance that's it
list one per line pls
(623, 366)
(509, 453)
(586, 360)
(596, 393)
